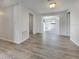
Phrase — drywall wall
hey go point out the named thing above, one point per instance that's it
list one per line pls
(38, 23)
(64, 24)
(3, 25)
(6, 25)
(75, 23)
(21, 24)
(9, 23)
(14, 26)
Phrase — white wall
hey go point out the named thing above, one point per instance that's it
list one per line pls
(75, 23)
(3, 26)
(21, 23)
(14, 26)
(64, 24)
(38, 23)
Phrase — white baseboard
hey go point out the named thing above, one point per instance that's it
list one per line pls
(65, 35)
(19, 42)
(5, 39)
(75, 43)
(15, 42)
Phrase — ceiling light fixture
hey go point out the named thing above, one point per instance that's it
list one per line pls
(52, 5)
(1, 13)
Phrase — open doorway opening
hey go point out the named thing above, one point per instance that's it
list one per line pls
(51, 27)
(30, 24)
(51, 24)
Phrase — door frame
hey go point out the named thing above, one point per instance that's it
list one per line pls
(32, 23)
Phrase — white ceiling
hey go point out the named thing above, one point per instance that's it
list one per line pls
(40, 6)
(5, 3)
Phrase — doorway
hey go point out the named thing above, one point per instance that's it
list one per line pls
(50, 27)
(51, 24)
(30, 24)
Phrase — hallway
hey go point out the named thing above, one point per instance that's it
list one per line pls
(38, 47)
(58, 20)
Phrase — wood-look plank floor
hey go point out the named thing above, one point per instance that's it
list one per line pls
(40, 47)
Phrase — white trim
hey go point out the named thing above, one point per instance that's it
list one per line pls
(15, 42)
(5, 39)
(75, 43)
(19, 42)
(65, 35)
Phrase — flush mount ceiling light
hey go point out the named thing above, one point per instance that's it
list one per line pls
(52, 5)
(1, 13)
